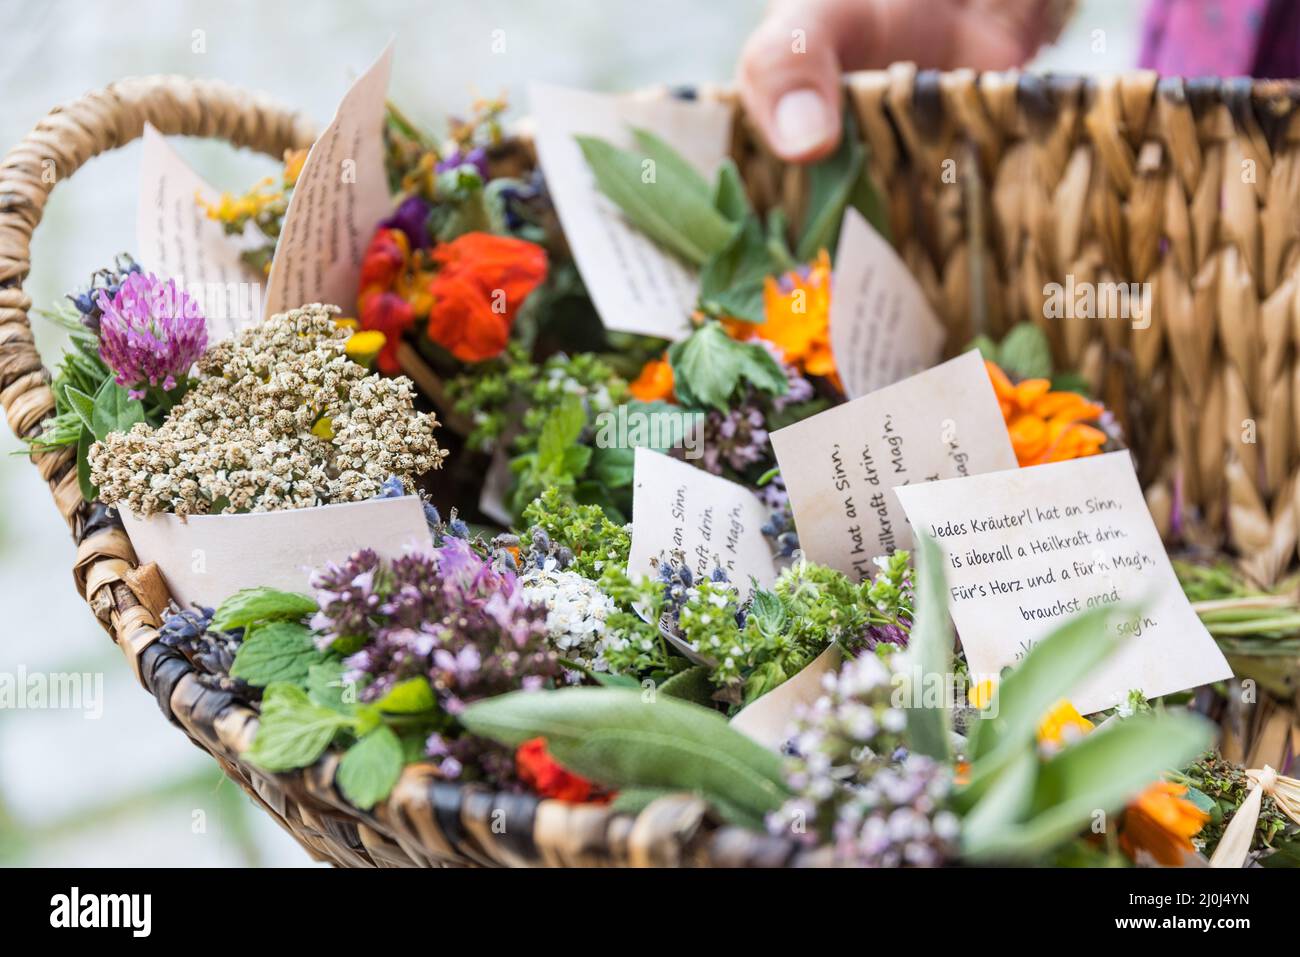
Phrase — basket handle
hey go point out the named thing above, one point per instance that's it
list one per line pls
(69, 136)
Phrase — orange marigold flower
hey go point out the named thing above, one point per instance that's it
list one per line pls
(1046, 426)
(655, 381)
(390, 314)
(1162, 822)
(796, 317)
(545, 776)
(481, 283)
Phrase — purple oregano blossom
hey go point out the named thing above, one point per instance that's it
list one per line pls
(150, 333)
(451, 617)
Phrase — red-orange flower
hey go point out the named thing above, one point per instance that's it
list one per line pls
(655, 383)
(1046, 426)
(389, 313)
(548, 779)
(385, 259)
(481, 283)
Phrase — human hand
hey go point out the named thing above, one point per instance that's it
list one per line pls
(789, 74)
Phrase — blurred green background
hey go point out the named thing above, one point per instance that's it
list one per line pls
(126, 788)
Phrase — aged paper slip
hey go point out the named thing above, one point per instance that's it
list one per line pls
(176, 240)
(340, 197)
(1027, 549)
(710, 521)
(841, 466)
(882, 328)
(635, 285)
(208, 558)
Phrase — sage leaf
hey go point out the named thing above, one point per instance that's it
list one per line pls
(830, 184)
(666, 159)
(669, 209)
(729, 196)
(88, 490)
(371, 767)
(292, 732)
(622, 740)
(276, 651)
(82, 404)
(692, 685)
(114, 410)
(732, 281)
(250, 605)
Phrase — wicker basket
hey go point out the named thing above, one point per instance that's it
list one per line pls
(1191, 186)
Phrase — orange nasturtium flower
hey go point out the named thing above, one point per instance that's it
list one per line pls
(1046, 426)
(655, 383)
(548, 778)
(481, 282)
(1162, 822)
(797, 317)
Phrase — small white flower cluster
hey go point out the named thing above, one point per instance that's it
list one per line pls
(576, 612)
(856, 784)
(279, 418)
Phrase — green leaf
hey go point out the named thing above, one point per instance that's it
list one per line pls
(930, 653)
(261, 604)
(1050, 670)
(81, 404)
(866, 199)
(560, 433)
(988, 349)
(670, 209)
(692, 685)
(636, 800)
(768, 612)
(665, 158)
(709, 366)
(622, 740)
(830, 184)
(114, 410)
(277, 651)
(411, 696)
(1025, 353)
(292, 732)
(612, 466)
(88, 490)
(325, 686)
(1006, 800)
(731, 283)
(370, 768)
(1100, 772)
(729, 195)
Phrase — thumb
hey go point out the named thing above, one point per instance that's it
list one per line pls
(789, 79)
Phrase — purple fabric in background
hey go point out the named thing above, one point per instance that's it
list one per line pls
(1196, 38)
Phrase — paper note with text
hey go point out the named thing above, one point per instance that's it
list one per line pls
(175, 239)
(635, 285)
(339, 199)
(882, 328)
(1027, 549)
(710, 521)
(841, 466)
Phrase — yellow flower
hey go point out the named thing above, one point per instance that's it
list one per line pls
(797, 315)
(1061, 726)
(293, 164)
(324, 428)
(363, 346)
(234, 210)
(1162, 822)
(981, 693)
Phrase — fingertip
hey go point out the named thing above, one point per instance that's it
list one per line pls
(804, 126)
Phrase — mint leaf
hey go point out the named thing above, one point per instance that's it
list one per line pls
(411, 696)
(729, 196)
(261, 604)
(560, 432)
(709, 366)
(731, 283)
(830, 184)
(669, 209)
(293, 732)
(1025, 353)
(325, 686)
(278, 651)
(370, 768)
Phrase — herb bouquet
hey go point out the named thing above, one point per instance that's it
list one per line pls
(515, 685)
